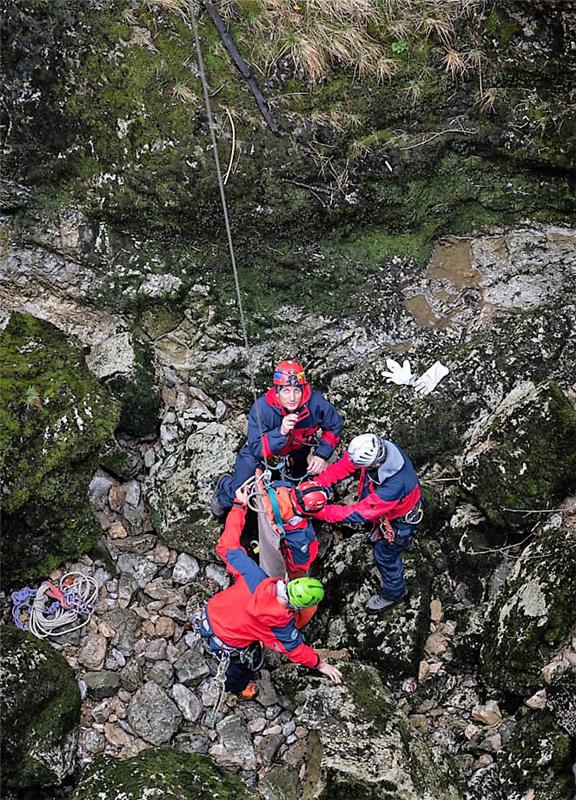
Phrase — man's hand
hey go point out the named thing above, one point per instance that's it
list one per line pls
(241, 495)
(330, 671)
(288, 423)
(316, 464)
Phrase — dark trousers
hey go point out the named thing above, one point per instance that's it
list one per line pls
(246, 466)
(388, 557)
(238, 676)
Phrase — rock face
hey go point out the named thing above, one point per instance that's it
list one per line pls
(161, 773)
(54, 417)
(524, 453)
(39, 711)
(531, 617)
(363, 748)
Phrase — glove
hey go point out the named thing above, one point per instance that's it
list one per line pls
(431, 378)
(400, 375)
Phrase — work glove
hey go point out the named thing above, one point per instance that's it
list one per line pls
(430, 379)
(400, 375)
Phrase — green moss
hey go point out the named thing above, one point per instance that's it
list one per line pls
(39, 707)
(54, 415)
(170, 775)
(138, 394)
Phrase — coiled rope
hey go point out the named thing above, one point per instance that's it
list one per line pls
(54, 610)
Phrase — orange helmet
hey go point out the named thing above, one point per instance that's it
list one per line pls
(289, 373)
(311, 496)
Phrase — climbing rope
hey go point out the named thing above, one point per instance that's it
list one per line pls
(54, 610)
(218, 684)
(224, 204)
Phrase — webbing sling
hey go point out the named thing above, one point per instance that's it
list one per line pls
(271, 491)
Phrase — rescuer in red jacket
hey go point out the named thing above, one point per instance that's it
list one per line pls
(389, 500)
(257, 609)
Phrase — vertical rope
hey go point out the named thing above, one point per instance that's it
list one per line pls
(226, 216)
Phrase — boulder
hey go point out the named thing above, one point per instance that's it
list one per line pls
(162, 773)
(532, 615)
(361, 747)
(39, 712)
(54, 417)
(537, 758)
(126, 365)
(523, 455)
(393, 642)
(152, 714)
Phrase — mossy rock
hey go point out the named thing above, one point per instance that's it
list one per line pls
(39, 710)
(360, 747)
(523, 456)
(54, 417)
(163, 773)
(138, 394)
(532, 615)
(538, 757)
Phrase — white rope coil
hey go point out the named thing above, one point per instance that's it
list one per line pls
(81, 593)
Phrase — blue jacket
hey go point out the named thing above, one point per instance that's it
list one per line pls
(315, 413)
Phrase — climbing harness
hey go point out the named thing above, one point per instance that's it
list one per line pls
(384, 530)
(251, 657)
(54, 610)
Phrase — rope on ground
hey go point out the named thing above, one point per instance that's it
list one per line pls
(71, 608)
(224, 204)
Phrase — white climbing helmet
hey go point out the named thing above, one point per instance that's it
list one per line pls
(367, 449)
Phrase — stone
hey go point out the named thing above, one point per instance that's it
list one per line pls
(161, 554)
(132, 489)
(123, 464)
(436, 644)
(218, 575)
(191, 743)
(423, 671)
(39, 712)
(115, 735)
(236, 743)
(267, 694)
(140, 568)
(93, 652)
(152, 714)
(268, 747)
(257, 725)
(487, 714)
(280, 783)
(191, 668)
(436, 610)
(188, 703)
(92, 742)
(538, 700)
(101, 684)
(127, 587)
(165, 627)
(155, 650)
(161, 673)
(163, 589)
(99, 488)
(186, 569)
(131, 676)
(117, 531)
(117, 497)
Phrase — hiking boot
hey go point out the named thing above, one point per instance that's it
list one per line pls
(378, 604)
(217, 510)
(250, 692)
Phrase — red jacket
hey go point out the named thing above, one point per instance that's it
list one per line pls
(249, 611)
(389, 492)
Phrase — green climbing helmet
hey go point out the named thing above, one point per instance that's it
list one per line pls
(305, 592)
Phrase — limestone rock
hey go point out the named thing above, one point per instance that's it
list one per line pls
(138, 567)
(236, 743)
(170, 774)
(101, 684)
(532, 613)
(191, 667)
(359, 740)
(152, 715)
(93, 651)
(187, 702)
(186, 569)
(39, 711)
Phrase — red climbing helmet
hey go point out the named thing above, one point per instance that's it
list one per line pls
(289, 373)
(311, 496)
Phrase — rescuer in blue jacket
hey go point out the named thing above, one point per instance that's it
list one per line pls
(284, 423)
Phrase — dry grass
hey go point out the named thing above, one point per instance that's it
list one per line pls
(365, 37)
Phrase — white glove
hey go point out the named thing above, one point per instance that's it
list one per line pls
(431, 378)
(400, 375)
